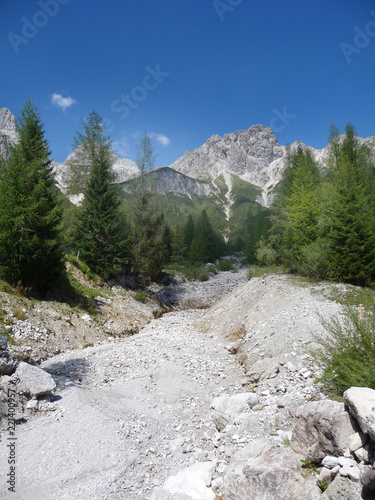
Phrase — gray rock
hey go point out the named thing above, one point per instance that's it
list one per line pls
(3, 343)
(33, 380)
(7, 363)
(330, 462)
(321, 428)
(227, 408)
(357, 440)
(273, 475)
(342, 488)
(361, 403)
(262, 369)
(368, 480)
(325, 476)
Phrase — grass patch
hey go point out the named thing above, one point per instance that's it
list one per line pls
(79, 264)
(140, 295)
(19, 314)
(259, 271)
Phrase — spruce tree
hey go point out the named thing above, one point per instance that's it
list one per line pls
(102, 231)
(348, 218)
(205, 246)
(29, 210)
(150, 235)
(188, 230)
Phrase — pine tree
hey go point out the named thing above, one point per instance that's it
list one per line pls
(29, 210)
(296, 209)
(102, 231)
(205, 246)
(150, 235)
(86, 144)
(179, 249)
(188, 231)
(348, 218)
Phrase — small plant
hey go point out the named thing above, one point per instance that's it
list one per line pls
(19, 314)
(323, 486)
(287, 441)
(140, 295)
(310, 467)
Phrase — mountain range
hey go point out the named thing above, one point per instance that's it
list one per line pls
(252, 159)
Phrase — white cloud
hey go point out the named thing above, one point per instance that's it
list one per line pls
(121, 147)
(162, 139)
(62, 102)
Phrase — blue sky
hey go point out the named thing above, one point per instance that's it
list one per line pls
(184, 70)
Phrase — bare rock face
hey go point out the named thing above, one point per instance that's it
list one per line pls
(361, 402)
(322, 428)
(246, 153)
(8, 131)
(273, 475)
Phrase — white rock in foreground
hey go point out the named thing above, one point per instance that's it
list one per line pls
(33, 380)
(188, 484)
(361, 402)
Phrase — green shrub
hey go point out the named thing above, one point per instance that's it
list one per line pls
(265, 254)
(225, 265)
(347, 353)
(140, 295)
(203, 276)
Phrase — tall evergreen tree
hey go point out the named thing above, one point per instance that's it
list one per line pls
(102, 231)
(296, 210)
(188, 231)
(29, 210)
(348, 218)
(86, 144)
(205, 246)
(150, 235)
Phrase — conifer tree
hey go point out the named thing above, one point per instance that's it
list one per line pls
(348, 218)
(150, 235)
(188, 230)
(179, 249)
(29, 210)
(102, 231)
(205, 246)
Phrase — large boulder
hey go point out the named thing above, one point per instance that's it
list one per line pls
(322, 428)
(33, 381)
(361, 403)
(275, 475)
(227, 408)
(342, 488)
(7, 363)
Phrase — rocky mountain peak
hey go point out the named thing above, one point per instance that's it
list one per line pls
(8, 131)
(245, 153)
(8, 121)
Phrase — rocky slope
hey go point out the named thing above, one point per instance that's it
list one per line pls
(166, 180)
(181, 411)
(8, 131)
